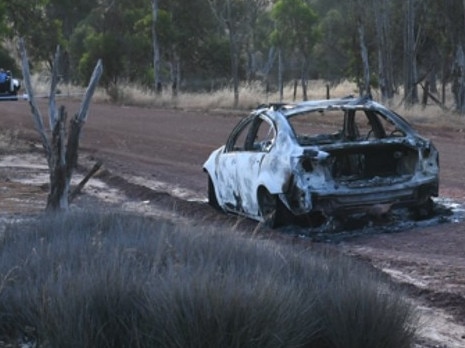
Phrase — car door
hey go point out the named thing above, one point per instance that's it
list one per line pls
(227, 187)
(243, 157)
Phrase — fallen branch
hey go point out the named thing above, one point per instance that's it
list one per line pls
(433, 97)
(77, 190)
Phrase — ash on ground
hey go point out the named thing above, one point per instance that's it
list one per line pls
(336, 229)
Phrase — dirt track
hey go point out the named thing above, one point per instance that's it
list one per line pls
(169, 147)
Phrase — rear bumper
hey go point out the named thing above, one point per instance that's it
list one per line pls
(337, 201)
(361, 201)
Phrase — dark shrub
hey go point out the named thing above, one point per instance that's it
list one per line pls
(113, 280)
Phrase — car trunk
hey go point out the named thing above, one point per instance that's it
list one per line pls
(372, 164)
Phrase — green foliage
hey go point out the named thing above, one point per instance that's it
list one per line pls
(4, 30)
(69, 12)
(213, 57)
(332, 50)
(30, 21)
(7, 62)
(79, 57)
(295, 21)
(203, 36)
(113, 35)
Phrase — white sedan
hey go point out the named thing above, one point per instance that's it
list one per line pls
(321, 158)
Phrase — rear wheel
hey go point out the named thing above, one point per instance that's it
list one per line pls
(424, 210)
(272, 210)
(212, 200)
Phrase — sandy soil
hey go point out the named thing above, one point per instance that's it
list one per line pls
(153, 158)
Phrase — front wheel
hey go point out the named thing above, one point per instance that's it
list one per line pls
(212, 200)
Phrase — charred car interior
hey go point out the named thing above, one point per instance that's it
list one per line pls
(327, 158)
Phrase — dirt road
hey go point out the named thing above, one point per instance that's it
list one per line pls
(167, 149)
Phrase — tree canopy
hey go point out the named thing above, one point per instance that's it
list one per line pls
(211, 43)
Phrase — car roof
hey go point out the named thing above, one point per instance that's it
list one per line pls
(346, 103)
(350, 102)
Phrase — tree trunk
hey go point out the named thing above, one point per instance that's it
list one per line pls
(424, 99)
(175, 72)
(251, 62)
(238, 20)
(304, 77)
(366, 66)
(385, 69)
(57, 199)
(410, 69)
(458, 82)
(432, 80)
(280, 75)
(267, 68)
(156, 49)
(234, 67)
(294, 95)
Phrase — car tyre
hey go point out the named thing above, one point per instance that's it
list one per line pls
(272, 210)
(212, 200)
(423, 211)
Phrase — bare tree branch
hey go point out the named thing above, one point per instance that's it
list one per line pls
(52, 109)
(82, 115)
(37, 116)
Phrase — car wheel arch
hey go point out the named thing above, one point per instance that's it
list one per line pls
(266, 203)
(276, 212)
(212, 194)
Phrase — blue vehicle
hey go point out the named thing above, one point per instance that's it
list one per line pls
(9, 86)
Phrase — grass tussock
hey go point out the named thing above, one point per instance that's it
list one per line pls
(109, 280)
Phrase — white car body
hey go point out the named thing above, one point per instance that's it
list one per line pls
(270, 166)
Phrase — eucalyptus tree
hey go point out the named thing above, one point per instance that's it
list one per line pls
(333, 51)
(296, 31)
(237, 18)
(66, 14)
(186, 40)
(111, 32)
(450, 39)
(256, 10)
(30, 21)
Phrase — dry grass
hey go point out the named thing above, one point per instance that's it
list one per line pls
(93, 279)
(252, 95)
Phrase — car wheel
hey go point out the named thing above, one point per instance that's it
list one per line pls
(423, 211)
(267, 205)
(272, 210)
(212, 200)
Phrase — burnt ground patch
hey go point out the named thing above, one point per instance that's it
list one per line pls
(328, 230)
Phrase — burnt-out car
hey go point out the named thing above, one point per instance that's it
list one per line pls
(322, 158)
